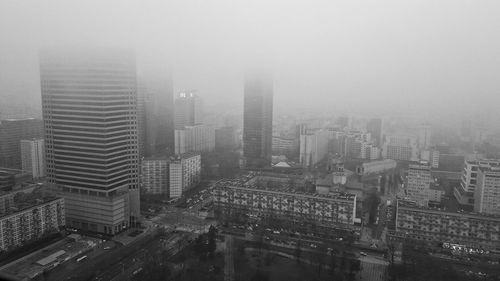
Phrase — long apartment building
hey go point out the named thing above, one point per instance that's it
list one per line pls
(437, 225)
(464, 193)
(332, 210)
(28, 220)
(89, 105)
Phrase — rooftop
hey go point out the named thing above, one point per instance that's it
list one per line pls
(413, 205)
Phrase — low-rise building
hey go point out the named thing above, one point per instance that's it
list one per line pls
(276, 196)
(375, 167)
(438, 225)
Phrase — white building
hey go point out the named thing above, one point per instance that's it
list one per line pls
(33, 157)
(184, 173)
(197, 138)
(418, 184)
(464, 193)
(313, 147)
(487, 192)
(154, 175)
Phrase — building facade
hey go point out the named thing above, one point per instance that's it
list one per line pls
(418, 184)
(33, 157)
(464, 193)
(258, 121)
(487, 191)
(198, 138)
(12, 131)
(333, 210)
(184, 173)
(401, 148)
(188, 110)
(89, 103)
(374, 127)
(31, 222)
(437, 225)
(154, 175)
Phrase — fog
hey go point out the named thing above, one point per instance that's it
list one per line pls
(362, 56)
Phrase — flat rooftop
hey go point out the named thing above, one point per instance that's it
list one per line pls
(413, 205)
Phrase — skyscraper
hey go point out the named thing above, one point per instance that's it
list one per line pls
(89, 103)
(258, 120)
(12, 131)
(424, 136)
(33, 157)
(188, 110)
(374, 127)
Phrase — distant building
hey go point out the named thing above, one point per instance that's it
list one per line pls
(374, 127)
(33, 157)
(198, 138)
(437, 225)
(184, 173)
(12, 179)
(258, 120)
(12, 131)
(313, 147)
(464, 193)
(29, 219)
(424, 136)
(403, 148)
(225, 139)
(154, 175)
(418, 184)
(250, 196)
(435, 193)
(376, 167)
(430, 156)
(487, 191)
(188, 110)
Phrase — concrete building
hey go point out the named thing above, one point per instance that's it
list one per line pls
(33, 157)
(188, 110)
(198, 138)
(464, 193)
(154, 175)
(250, 195)
(418, 184)
(12, 131)
(30, 219)
(374, 127)
(487, 191)
(430, 156)
(437, 226)
(376, 167)
(258, 120)
(184, 173)
(313, 147)
(89, 103)
(403, 148)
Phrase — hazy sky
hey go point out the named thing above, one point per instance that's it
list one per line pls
(379, 55)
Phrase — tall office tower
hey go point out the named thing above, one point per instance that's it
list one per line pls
(418, 184)
(89, 103)
(33, 157)
(12, 131)
(258, 121)
(487, 192)
(155, 114)
(424, 136)
(374, 127)
(188, 110)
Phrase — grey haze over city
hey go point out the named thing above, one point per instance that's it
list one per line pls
(374, 57)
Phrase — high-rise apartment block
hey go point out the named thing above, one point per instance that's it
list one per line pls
(33, 157)
(89, 103)
(12, 131)
(184, 173)
(313, 147)
(258, 121)
(464, 193)
(418, 184)
(154, 175)
(487, 191)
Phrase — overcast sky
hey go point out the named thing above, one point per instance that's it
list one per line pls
(379, 55)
